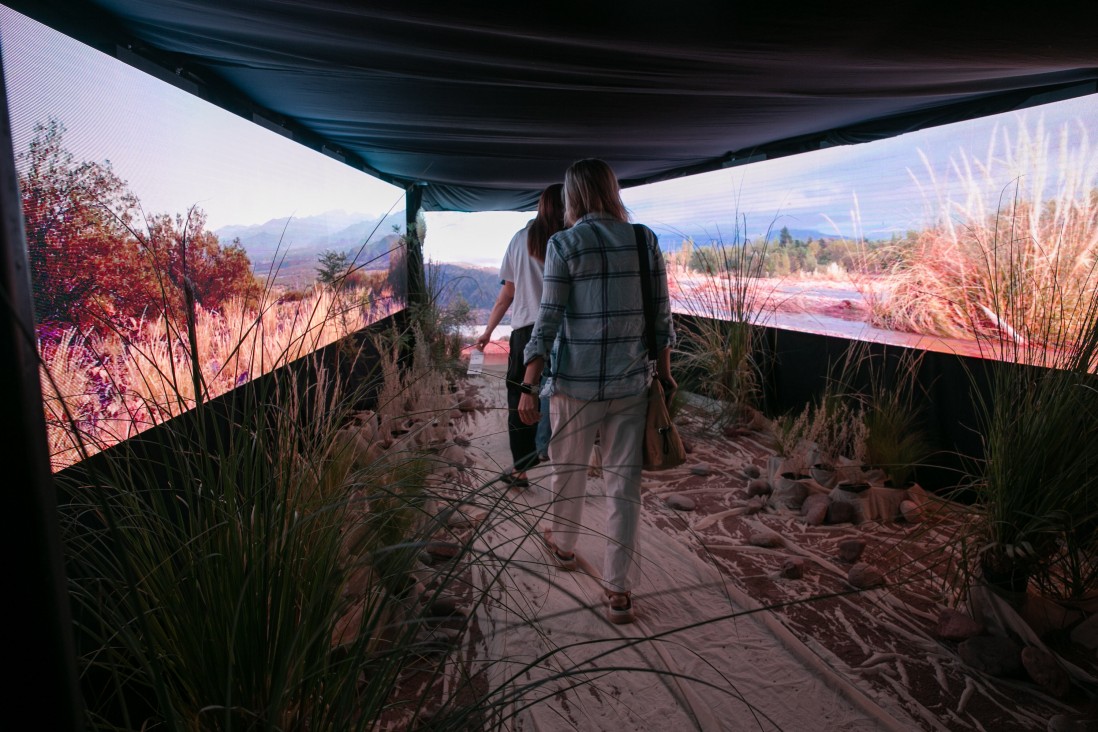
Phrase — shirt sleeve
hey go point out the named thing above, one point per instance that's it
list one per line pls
(556, 286)
(665, 327)
(507, 269)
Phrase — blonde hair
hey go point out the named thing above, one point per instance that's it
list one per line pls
(590, 186)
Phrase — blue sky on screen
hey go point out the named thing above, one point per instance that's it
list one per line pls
(879, 188)
(176, 150)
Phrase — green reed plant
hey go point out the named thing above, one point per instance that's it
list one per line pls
(896, 439)
(1035, 483)
(1036, 477)
(210, 600)
(718, 349)
(832, 426)
(211, 571)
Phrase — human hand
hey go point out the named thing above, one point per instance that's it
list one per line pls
(483, 340)
(528, 409)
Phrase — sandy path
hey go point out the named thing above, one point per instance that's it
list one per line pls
(693, 660)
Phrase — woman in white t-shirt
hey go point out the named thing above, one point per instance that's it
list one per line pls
(521, 280)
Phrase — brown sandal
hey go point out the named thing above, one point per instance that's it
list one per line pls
(621, 608)
(567, 562)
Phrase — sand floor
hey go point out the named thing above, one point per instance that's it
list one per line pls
(723, 641)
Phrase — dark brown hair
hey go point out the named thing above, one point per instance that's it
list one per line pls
(549, 221)
(590, 186)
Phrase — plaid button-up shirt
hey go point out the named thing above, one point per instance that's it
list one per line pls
(591, 298)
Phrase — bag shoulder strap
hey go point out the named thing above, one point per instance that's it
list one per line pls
(646, 292)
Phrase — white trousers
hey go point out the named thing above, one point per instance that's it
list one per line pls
(619, 424)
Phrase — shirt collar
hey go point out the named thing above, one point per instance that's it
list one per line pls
(596, 216)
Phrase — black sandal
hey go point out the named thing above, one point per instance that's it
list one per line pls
(513, 480)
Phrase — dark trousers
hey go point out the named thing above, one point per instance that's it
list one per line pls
(521, 436)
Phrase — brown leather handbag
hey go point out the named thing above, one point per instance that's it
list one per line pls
(663, 448)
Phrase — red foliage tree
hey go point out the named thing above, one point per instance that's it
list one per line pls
(181, 253)
(82, 257)
(90, 264)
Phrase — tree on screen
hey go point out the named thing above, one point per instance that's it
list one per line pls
(81, 255)
(96, 261)
(332, 265)
(181, 253)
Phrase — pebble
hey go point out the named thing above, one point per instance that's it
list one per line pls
(436, 640)
(754, 506)
(1073, 723)
(758, 487)
(992, 654)
(765, 538)
(814, 510)
(789, 484)
(751, 471)
(954, 625)
(1086, 633)
(850, 550)
(1046, 672)
(701, 469)
(453, 454)
(864, 576)
(460, 519)
(793, 568)
(911, 512)
(442, 606)
(445, 613)
(468, 404)
(680, 502)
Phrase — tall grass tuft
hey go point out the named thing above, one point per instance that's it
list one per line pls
(1018, 264)
(718, 349)
(252, 567)
(831, 428)
(896, 439)
(1036, 484)
(208, 580)
(1035, 314)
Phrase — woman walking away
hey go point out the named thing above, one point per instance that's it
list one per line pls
(592, 301)
(521, 276)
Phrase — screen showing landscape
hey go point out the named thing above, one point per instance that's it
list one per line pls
(144, 204)
(973, 237)
(151, 216)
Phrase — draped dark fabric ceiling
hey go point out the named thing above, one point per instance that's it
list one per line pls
(485, 104)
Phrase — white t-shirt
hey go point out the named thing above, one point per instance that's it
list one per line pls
(525, 271)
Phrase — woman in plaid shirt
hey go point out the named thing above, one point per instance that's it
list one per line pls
(591, 302)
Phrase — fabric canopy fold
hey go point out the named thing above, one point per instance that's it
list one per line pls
(488, 103)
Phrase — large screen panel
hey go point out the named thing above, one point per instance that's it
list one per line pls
(979, 237)
(148, 210)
